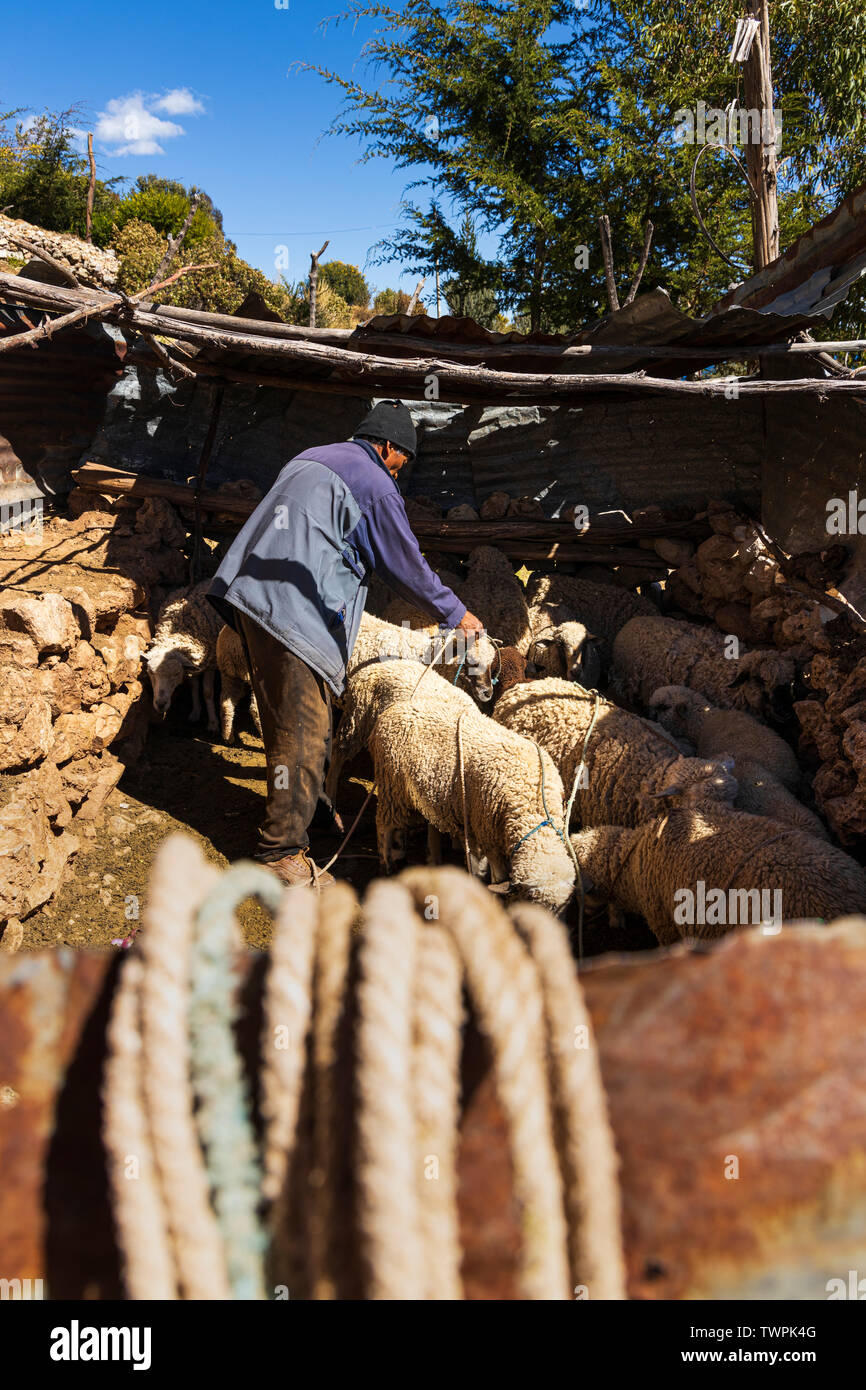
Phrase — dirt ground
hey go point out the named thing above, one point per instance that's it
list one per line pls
(214, 792)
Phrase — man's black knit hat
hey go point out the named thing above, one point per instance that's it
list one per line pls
(390, 420)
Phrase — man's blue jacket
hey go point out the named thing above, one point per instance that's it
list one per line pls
(301, 564)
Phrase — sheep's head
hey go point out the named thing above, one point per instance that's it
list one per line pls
(482, 661)
(695, 783)
(671, 705)
(566, 649)
(166, 671)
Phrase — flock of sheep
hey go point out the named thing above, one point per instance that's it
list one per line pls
(510, 748)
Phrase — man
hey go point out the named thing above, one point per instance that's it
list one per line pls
(294, 584)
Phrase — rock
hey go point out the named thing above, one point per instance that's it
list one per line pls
(47, 619)
(17, 649)
(817, 730)
(26, 734)
(760, 577)
(525, 506)
(69, 687)
(737, 619)
(109, 774)
(90, 731)
(673, 551)
(422, 509)
(722, 518)
(495, 507)
(121, 654)
(158, 524)
(462, 512)
(12, 936)
(32, 857)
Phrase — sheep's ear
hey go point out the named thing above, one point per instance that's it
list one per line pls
(673, 790)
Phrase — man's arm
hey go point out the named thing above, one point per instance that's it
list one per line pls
(389, 546)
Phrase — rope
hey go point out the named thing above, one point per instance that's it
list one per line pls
(359, 1082)
(389, 1217)
(180, 879)
(223, 1110)
(585, 1140)
(438, 1016)
(139, 1212)
(462, 775)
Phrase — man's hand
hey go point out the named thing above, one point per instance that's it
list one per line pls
(469, 623)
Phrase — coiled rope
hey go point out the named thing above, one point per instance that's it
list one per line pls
(359, 1084)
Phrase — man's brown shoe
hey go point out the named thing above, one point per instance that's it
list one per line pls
(298, 869)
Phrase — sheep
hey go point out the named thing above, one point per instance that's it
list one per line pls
(603, 608)
(490, 590)
(475, 658)
(739, 865)
(765, 767)
(412, 734)
(714, 730)
(184, 644)
(494, 594)
(653, 652)
(231, 659)
(511, 669)
(564, 648)
(627, 764)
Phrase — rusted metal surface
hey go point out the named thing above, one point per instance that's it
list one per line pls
(750, 1051)
(51, 402)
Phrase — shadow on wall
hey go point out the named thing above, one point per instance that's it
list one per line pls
(625, 454)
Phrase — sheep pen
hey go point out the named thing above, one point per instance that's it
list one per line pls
(618, 754)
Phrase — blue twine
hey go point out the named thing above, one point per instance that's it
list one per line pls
(223, 1103)
(540, 826)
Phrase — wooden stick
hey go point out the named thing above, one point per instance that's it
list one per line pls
(607, 255)
(170, 363)
(414, 300)
(97, 477)
(314, 280)
(174, 245)
(647, 242)
(44, 296)
(91, 187)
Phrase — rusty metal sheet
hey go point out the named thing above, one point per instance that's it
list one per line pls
(51, 402)
(748, 1050)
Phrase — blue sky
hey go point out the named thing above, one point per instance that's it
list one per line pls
(212, 85)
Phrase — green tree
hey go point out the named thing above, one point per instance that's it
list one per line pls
(43, 176)
(538, 116)
(395, 302)
(346, 281)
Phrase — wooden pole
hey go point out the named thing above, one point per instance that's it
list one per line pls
(414, 300)
(436, 266)
(91, 187)
(607, 257)
(761, 156)
(314, 280)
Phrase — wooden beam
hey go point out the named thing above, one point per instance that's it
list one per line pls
(435, 533)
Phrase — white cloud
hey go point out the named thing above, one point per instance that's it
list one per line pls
(128, 125)
(179, 102)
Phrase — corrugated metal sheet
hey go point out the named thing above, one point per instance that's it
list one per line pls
(51, 402)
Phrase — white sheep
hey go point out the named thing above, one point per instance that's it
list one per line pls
(231, 659)
(184, 644)
(456, 655)
(625, 764)
(490, 590)
(711, 729)
(743, 867)
(764, 765)
(564, 648)
(653, 652)
(602, 608)
(512, 788)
